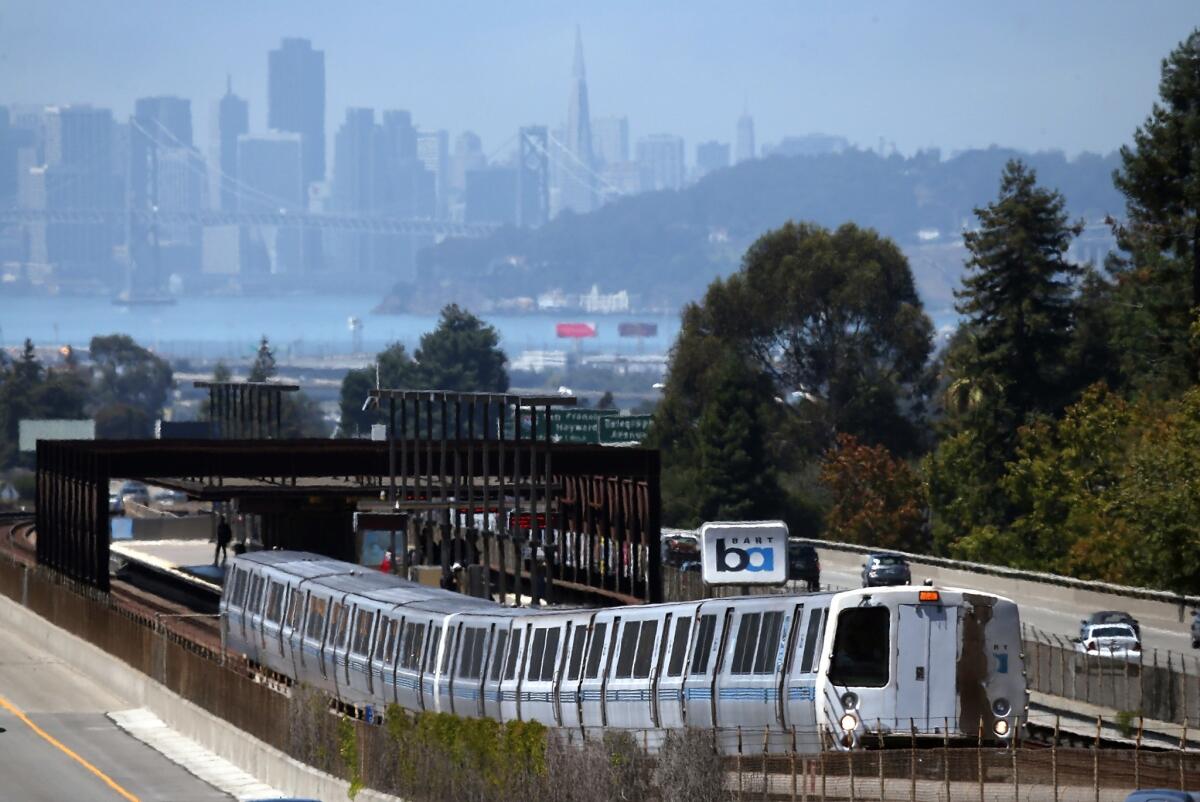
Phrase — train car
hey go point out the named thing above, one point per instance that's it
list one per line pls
(842, 670)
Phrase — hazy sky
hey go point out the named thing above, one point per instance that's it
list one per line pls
(1076, 75)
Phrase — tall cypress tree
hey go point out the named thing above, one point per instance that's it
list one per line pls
(1018, 301)
(1160, 174)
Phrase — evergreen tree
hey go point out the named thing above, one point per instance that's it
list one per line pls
(462, 354)
(396, 371)
(1160, 174)
(263, 368)
(735, 482)
(1018, 302)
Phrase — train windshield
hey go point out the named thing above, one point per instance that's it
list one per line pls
(861, 647)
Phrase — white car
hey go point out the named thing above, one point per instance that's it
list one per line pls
(1118, 641)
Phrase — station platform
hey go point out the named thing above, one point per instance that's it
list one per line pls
(180, 569)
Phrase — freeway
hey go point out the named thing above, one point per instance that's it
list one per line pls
(1049, 608)
(56, 743)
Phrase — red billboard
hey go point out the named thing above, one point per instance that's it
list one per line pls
(638, 329)
(575, 329)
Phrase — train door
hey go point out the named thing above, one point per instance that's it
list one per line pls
(315, 618)
(926, 661)
(251, 622)
(699, 676)
(409, 661)
(600, 650)
(358, 661)
(383, 663)
(469, 671)
(669, 695)
(334, 650)
(443, 678)
(569, 712)
(495, 670)
(800, 695)
(510, 679)
(272, 642)
(748, 679)
(540, 668)
(627, 697)
(433, 642)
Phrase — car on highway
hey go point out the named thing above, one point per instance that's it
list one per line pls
(1162, 795)
(1118, 641)
(1196, 629)
(885, 569)
(115, 507)
(1109, 617)
(804, 565)
(136, 493)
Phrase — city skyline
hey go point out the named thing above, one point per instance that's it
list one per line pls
(821, 80)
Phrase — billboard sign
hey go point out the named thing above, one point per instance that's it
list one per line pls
(637, 329)
(575, 329)
(744, 553)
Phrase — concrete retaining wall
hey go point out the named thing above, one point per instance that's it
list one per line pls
(264, 762)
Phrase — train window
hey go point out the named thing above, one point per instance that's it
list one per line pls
(316, 617)
(683, 627)
(363, 623)
(704, 641)
(410, 651)
(629, 639)
(239, 587)
(252, 598)
(768, 642)
(747, 639)
(274, 602)
(514, 651)
(295, 608)
(383, 642)
(447, 651)
(339, 632)
(552, 639)
(472, 653)
(576, 661)
(645, 649)
(811, 638)
(498, 654)
(533, 660)
(861, 647)
(594, 654)
(431, 647)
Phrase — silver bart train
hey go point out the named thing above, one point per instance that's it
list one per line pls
(829, 670)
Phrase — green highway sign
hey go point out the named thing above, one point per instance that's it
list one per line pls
(624, 428)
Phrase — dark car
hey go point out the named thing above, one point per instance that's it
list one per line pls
(804, 565)
(885, 569)
(1108, 617)
(1196, 629)
(1162, 795)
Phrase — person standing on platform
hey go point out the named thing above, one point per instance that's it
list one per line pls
(224, 536)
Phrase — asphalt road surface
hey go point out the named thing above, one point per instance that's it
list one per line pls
(57, 745)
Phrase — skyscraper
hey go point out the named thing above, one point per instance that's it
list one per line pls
(745, 138)
(576, 182)
(660, 157)
(296, 100)
(433, 149)
(610, 138)
(165, 172)
(358, 176)
(158, 122)
(271, 167)
(468, 155)
(233, 120)
(711, 156)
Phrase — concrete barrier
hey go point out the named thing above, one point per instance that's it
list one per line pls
(191, 527)
(262, 761)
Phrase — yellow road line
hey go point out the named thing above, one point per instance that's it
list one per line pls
(4, 703)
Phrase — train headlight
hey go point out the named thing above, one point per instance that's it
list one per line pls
(1001, 707)
(849, 722)
(1000, 728)
(850, 700)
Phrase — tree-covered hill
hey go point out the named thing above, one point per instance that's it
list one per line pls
(667, 246)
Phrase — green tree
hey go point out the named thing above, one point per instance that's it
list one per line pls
(396, 371)
(462, 354)
(606, 401)
(734, 481)
(1160, 174)
(127, 375)
(263, 368)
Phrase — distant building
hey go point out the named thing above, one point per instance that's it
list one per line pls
(711, 156)
(296, 100)
(433, 150)
(660, 157)
(491, 196)
(600, 303)
(807, 145)
(8, 160)
(468, 155)
(158, 122)
(745, 138)
(610, 137)
(271, 168)
(621, 178)
(576, 181)
(358, 175)
(232, 120)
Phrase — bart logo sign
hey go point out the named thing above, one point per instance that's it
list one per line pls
(744, 553)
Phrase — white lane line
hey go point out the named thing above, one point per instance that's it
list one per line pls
(216, 771)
